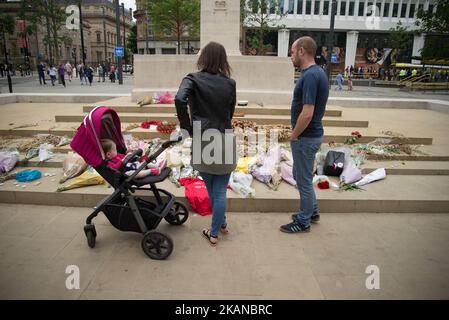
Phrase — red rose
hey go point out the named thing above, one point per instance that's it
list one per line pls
(323, 185)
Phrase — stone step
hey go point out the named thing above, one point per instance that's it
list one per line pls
(170, 108)
(332, 134)
(395, 194)
(422, 168)
(259, 119)
(392, 167)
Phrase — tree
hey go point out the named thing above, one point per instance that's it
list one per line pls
(131, 44)
(179, 17)
(402, 41)
(7, 27)
(262, 16)
(55, 18)
(436, 27)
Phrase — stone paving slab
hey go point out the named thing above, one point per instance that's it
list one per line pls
(256, 261)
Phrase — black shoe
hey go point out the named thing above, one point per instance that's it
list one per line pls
(295, 227)
(314, 219)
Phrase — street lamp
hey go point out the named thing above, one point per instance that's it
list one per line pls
(330, 43)
(119, 41)
(83, 54)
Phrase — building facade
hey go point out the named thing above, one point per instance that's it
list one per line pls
(101, 16)
(362, 28)
(31, 49)
(150, 43)
(100, 36)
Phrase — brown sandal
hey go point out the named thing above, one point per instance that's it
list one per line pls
(206, 234)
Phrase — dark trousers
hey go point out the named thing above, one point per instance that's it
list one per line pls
(41, 78)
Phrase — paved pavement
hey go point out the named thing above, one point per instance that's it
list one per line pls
(256, 261)
(31, 85)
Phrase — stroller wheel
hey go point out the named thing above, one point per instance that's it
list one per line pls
(178, 214)
(91, 234)
(157, 245)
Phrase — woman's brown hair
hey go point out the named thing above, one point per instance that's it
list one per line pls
(213, 59)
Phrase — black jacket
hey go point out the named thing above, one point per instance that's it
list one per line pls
(211, 98)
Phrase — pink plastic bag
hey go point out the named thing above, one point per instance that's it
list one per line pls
(166, 98)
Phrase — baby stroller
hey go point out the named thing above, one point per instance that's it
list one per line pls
(125, 211)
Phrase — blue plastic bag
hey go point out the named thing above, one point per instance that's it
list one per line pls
(28, 175)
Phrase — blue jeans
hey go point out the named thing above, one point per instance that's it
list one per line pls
(303, 151)
(216, 188)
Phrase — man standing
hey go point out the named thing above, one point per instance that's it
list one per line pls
(41, 72)
(307, 110)
(61, 73)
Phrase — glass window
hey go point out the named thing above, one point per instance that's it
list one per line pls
(316, 10)
(421, 7)
(386, 10)
(430, 8)
(412, 11)
(395, 10)
(291, 6)
(326, 8)
(361, 9)
(308, 7)
(343, 8)
(403, 10)
(369, 10)
(98, 37)
(351, 8)
(299, 6)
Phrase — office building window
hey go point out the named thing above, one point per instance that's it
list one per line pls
(98, 37)
(403, 10)
(361, 9)
(326, 8)
(343, 8)
(299, 6)
(351, 8)
(168, 51)
(291, 6)
(386, 10)
(308, 7)
(316, 10)
(420, 7)
(430, 8)
(395, 10)
(411, 14)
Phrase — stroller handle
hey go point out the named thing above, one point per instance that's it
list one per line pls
(164, 146)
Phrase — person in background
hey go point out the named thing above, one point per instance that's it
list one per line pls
(89, 74)
(52, 71)
(69, 70)
(339, 81)
(61, 74)
(99, 72)
(41, 73)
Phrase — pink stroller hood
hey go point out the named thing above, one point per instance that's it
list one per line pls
(100, 123)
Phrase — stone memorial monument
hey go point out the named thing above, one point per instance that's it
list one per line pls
(260, 79)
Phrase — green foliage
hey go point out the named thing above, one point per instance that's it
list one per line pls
(437, 22)
(261, 16)
(52, 12)
(180, 17)
(6, 24)
(402, 41)
(132, 39)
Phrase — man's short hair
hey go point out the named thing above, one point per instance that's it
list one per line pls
(308, 44)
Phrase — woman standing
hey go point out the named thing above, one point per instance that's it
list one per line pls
(211, 94)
